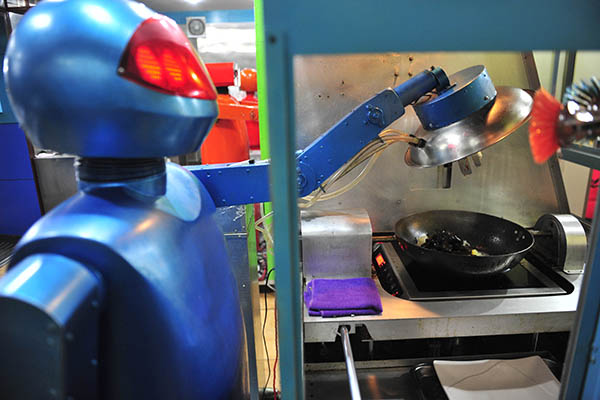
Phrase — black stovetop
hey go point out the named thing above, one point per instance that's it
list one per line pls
(404, 278)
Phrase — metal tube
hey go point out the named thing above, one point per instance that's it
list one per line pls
(354, 389)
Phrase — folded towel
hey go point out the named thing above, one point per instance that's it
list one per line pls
(342, 297)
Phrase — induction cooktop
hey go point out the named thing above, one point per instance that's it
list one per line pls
(402, 277)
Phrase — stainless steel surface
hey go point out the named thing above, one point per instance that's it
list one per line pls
(380, 379)
(510, 110)
(572, 245)
(330, 86)
(232, 221)
(406, 319)
(353, 380)
(379, 382)
(444, 177)
(56, 179)
(555, 173)
(336, 244)
(413, 293)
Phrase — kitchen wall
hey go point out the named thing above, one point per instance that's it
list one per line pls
(333, 85)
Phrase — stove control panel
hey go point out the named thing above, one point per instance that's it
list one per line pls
(385, 273)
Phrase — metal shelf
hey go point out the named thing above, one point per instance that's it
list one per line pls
(582, 155)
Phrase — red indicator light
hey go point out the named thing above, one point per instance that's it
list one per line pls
(174, 72)
(379, 260)
(148, 65)
(159, 56)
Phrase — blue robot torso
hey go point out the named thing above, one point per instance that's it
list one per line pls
(171, 324)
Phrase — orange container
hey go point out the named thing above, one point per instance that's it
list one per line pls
(248, 84)
(227, 141)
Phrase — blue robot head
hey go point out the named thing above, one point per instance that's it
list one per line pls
(112, 79)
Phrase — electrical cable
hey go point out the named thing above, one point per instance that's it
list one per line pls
(370, 152)
(265, 230)
(265, 339)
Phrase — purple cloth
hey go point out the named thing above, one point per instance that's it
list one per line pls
(342, 297)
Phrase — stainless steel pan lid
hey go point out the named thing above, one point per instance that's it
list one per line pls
(509, 110)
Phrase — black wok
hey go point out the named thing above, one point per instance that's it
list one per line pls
(504, 242)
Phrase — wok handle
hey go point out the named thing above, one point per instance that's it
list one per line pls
(537, 233)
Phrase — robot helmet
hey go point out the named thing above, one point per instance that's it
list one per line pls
(109, 79)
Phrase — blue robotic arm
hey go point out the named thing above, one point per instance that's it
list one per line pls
(245, 183)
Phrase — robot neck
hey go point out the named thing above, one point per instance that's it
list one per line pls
(144, 177)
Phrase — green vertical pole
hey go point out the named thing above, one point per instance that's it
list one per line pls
(276, 63)
(263, 118)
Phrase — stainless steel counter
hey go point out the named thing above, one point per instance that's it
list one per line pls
(405, 319)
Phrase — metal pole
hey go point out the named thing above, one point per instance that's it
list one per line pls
(354, 389)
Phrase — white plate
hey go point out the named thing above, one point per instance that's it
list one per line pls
(519, 379)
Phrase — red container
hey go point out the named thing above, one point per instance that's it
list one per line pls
(227, 141)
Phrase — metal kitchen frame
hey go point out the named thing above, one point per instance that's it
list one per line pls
(287, 28)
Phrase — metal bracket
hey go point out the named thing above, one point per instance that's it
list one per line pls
(375, 115)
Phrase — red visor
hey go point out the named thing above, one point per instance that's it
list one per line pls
(159, 56)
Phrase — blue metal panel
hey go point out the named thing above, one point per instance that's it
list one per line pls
(341, 26)
(582, 155)
(282, 140)
(14, 154)
(233, 184)
(19, 206)
(579, 354)
(214, 15)
(591, 389)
